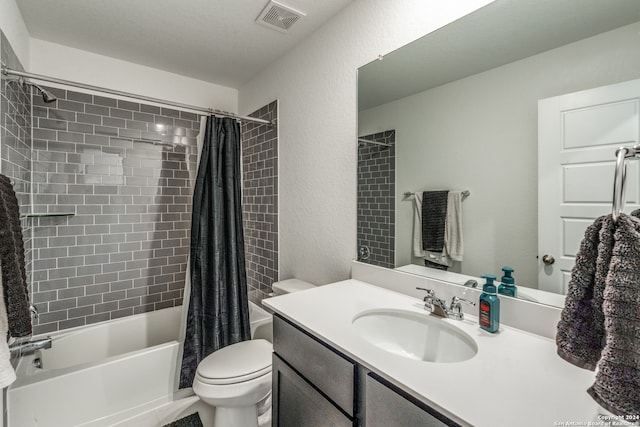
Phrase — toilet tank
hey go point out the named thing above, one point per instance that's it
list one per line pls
(291, 285)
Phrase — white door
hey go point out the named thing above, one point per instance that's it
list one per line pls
(578, 135)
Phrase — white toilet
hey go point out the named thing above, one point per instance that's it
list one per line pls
(237, 378)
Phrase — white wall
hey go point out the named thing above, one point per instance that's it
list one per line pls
(315, 84)
(77, 65)
(480, 133)
(14, 29)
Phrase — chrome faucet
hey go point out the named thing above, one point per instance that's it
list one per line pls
(28, 347)
(439, 307)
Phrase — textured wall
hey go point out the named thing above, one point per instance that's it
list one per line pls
(315, 84)
(67, 63)
(125, 170)
(260, 202)
(376, 199)
(15, 30)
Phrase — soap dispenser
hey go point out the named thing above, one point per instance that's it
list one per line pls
(489, 305)
(508, 286)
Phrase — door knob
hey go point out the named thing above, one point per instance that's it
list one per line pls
(548, 259)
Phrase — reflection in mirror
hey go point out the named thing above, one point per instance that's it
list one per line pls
(463, 105)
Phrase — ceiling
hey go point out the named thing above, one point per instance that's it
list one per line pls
(500, 33)
(212, 40)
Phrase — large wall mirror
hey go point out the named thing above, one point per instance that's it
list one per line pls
(459, 110)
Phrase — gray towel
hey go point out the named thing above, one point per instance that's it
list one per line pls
(600, 323)
(617, 385)
(580, 333)
(14, 280)
(434, 215)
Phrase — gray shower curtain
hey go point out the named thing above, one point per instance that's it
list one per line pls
(218, 313)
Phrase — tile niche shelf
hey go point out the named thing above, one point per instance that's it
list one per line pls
(47, 214)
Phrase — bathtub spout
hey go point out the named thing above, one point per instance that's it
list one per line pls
(29, 347)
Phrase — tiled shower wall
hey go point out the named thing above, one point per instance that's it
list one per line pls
(260, 202)
(376, 199)
(113, 180)
(123, 172)
(15, 142)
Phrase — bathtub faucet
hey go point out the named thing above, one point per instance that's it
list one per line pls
(29, 347)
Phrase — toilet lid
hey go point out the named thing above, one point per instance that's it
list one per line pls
(236, 363)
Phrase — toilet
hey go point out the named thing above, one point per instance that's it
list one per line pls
(290, 285)
(236, 379)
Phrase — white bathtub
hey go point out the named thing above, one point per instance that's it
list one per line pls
(95, 374)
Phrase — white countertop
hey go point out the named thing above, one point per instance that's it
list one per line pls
(516, 379)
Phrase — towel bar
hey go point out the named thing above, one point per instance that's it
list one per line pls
(465, 194)
(619, 179)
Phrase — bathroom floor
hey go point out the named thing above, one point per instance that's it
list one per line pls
(173, 411)
(170, 412)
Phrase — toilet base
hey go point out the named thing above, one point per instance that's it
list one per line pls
(237, 416)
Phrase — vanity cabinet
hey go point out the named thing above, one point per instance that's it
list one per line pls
(387, 406)
(314, 385)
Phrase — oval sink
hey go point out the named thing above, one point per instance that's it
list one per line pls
(415, 336)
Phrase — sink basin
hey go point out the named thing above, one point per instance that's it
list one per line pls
(415, 335)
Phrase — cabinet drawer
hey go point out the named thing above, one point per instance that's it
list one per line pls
(297, 404)
(387, 406)
(330, 372)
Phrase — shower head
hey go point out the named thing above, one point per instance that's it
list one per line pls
(47, 96)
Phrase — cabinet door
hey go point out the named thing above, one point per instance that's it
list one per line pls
(386, 406)
(297, 404)
(328, 371)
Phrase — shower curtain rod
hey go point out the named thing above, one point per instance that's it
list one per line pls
(367, 141)
(8, 71)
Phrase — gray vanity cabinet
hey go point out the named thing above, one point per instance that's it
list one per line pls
(314, 385)
(387, 406)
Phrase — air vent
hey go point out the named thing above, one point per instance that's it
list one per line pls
(278, 16)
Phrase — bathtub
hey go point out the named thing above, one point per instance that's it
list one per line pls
(97, 374)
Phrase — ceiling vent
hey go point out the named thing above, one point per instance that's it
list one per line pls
(278, 16)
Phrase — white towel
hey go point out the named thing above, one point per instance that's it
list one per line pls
(7, 374)
(453, 249)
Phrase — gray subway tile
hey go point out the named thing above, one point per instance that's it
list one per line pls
(51, 124)
(89, 119)
(121, 313)
(72, 323)
(90, 300)
(128, 105)
(151, 109)
(90, 269)
(71, 106)
(55, 114)
(121, 114)
(101, 317)
(114, 296)
(85, 310)
(108, 102)
(106, 307)
(106, 130)
(96, 139)
(106, 277)
(80, 97)
(122, 284)
(62, 304)
(114, 267)
(96, 109)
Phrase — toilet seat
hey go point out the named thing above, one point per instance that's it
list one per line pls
(236, 363)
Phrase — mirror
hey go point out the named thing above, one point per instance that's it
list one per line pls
(458, 109)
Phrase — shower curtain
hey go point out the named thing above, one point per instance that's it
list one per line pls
(218, 313)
